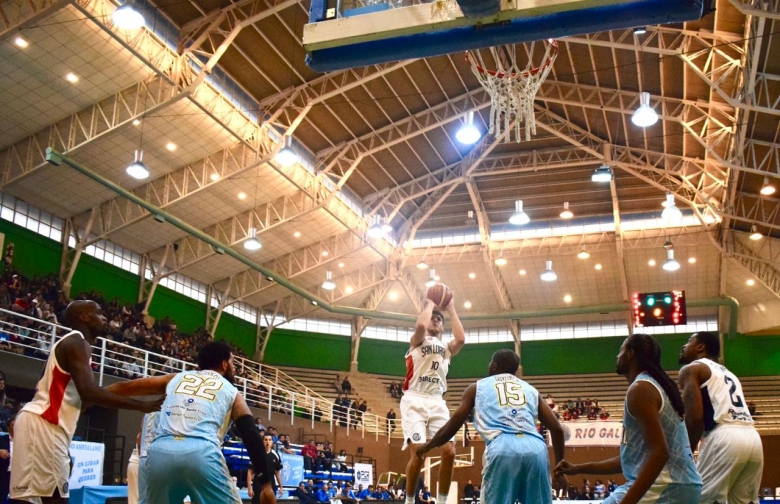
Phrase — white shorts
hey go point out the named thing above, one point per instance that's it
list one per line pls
(422, 416)
(41, 462)
(731, 461)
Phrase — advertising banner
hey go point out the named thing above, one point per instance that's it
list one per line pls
(292, 470)
(364, 475)
(597, 433)
(87, 460)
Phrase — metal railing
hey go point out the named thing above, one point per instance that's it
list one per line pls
(268, 388)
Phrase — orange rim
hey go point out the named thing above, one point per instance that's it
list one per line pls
(527, 73)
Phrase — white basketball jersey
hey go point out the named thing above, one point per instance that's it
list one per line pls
(723, 398)
(56, 398)
(427, 366)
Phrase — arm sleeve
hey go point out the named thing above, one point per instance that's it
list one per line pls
(254, 446)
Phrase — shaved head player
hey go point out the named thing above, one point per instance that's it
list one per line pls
(44, 428)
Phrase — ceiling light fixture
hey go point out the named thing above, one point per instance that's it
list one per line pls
(348, 289)
(598, 267)
(297, 234)
(671, 263)
(241, 195)
(472, 275)
(519, 218)
(393, 296)
(328, 284)
(286, 155)
(341, 265)
(136, 122)
(127, 17)
(431, 279)
(500, 260)
(750, 282)
(566, 214)
(71, 77)
(549, 275)
(583, 253)
(754, 233)
(691, 260)
(671, 213)
(522, 272)
(214, 177)
(470, 219)
(567, 298)
(468, 134)
(21, 42)
(170, 146)
(602, 174)
(422, 265)
(767, 189)
(467, 305)
(651, 262)
(253, 243)
(137, 169)
(644, 116)
(640, 30)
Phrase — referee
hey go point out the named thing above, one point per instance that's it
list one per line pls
(265, 484)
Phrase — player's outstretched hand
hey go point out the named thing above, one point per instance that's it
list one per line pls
(421, 451)
(152, 406)
(565, 467)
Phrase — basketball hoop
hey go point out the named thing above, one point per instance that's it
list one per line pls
(512, 88)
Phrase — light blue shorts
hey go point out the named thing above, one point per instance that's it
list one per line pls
(194, 467)
(516, 468)
(142, 486)
(660, 494)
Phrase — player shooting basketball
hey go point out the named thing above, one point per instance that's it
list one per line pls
(423, 409)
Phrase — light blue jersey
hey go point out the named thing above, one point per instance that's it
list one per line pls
(505, 404)
(185, 458)
(679, 481)
(515, 466)
(197, 405)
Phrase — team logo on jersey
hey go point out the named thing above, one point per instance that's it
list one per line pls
(190, 401)
(416, 436)
(64, 490)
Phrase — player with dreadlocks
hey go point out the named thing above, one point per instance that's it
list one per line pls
(655, 454)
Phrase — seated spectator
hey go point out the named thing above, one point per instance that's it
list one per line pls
(303, 494)
(592, 414)
(341, 458)
(364, 493)
(347, 495)
(752, 408)
(566, 416)
(321, 495)
(611, 486)
(337, 384)
(599, 490)
(468, 490)
(575, 414)
(284, 445)
(390, 421)
(346, 387)
(324, 458)
(424, 496)
(574, 493)
(309, 453)
(604, 415)
(551, 402)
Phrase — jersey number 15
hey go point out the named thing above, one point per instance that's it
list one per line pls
(510, 394)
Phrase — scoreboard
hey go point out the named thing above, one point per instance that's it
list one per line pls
(659, 309)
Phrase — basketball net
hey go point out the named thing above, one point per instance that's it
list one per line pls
(512, 87)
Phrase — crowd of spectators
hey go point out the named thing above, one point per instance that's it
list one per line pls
(309, 492)
(574, 410)
(42, 298)
(596, 491)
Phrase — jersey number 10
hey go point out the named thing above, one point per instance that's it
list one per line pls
(510, 394)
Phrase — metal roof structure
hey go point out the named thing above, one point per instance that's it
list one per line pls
(223, 82)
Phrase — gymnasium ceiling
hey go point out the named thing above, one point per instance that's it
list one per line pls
(386, 134)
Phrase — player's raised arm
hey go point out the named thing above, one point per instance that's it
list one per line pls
(690, 381)
(74, 353)
(152, 385)
(421, 326)
(245, 423)
(458, 333)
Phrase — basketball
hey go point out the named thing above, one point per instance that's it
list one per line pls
(440, 294)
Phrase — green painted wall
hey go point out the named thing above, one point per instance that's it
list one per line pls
(33, 254)
(94, 274)
(753, 355)
(37, 255)
(238, 331)
(308, 350)
(189, 314)
(382, 357)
